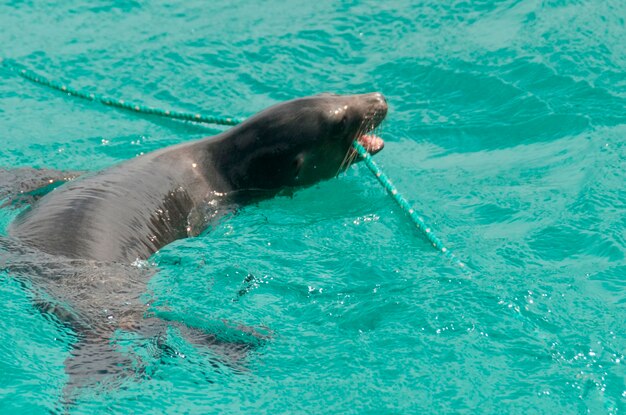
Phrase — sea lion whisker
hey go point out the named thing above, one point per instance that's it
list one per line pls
(351, 157)
(343, 161)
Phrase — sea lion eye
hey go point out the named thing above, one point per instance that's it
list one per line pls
(344, 121)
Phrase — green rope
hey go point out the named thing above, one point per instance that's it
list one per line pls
(121, 104)
(404, 204)
(117, 103)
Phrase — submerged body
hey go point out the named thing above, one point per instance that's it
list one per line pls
(131, 210)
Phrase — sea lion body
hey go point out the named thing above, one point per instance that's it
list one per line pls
(77, 242)
(121, 214)
(131, 210)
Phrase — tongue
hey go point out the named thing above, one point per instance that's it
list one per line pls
(372, 143)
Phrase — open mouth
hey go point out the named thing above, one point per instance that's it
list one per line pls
(367, 135)
(369, 139)
(371, 142)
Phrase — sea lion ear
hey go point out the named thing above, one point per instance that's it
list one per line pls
(297, 163)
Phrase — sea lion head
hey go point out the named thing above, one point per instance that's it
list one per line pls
(301, 142)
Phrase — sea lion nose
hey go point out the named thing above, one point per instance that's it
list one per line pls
(377, 99)
(380, 98)
(379, 102)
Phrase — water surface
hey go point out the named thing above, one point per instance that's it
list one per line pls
(506, 130)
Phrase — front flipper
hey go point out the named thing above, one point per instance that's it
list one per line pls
(228, 343)
(94, 361)
(23, 186)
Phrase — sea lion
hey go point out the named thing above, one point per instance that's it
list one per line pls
(129, 211)
(89, 230)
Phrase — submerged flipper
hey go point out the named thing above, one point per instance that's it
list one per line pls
(96, 360)
(230, 343)
(24, 185)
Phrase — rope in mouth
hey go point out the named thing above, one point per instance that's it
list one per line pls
(366, 144)
(371, 142)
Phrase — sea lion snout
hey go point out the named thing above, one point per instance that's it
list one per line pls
(374, 109)
(377, 100)
(380, 107)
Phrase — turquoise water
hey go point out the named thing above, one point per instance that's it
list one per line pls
(506, 130)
